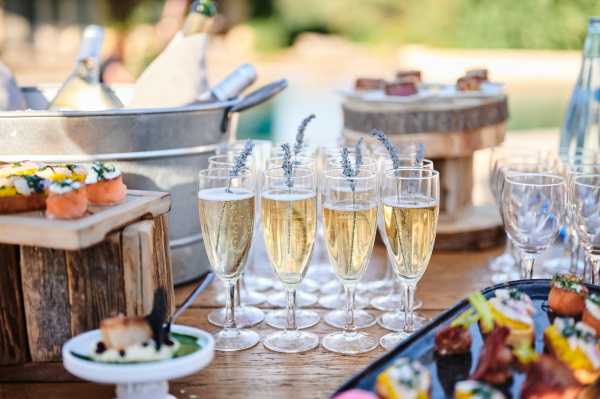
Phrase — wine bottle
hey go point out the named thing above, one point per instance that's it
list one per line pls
(178, 75)
(11, 98)
(82, 90)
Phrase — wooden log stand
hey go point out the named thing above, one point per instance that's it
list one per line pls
(452, 129)
(61, 278)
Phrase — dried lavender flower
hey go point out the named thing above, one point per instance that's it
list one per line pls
(300, 133)
(347, 169)
(287, 164)
(239, 163)
(391, 149)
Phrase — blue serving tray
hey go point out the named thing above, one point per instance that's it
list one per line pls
(447, 371)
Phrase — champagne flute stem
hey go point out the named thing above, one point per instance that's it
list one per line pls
(409, 313)
(594, 260)
(230, 305)
(291, 310)
(574, 247)
(238, 291)
(350, 325)
(527, 261)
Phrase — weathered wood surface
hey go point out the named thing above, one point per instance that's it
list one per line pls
(456, 186)
(258, 372)
(34, 229)
(69, 292)
(429, 115)
(13, 336)
(476, 227)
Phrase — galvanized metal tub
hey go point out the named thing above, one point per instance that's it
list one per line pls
(157, 149)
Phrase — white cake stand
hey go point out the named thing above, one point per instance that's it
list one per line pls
(137, 381)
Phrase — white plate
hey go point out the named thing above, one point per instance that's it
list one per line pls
(380, 96)
(140, 372)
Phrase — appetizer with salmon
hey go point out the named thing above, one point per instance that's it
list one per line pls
(567, 295)
(19, 168)
(405, 379)
(22, 193)
(591, 313)
(67, 199)
(495, 358)
(576, 345)
(471, 389)
(105, 184)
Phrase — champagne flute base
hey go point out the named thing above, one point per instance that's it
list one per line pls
(392, 302)
(258, 283)
(338, 301)
(291, 341)
(245, 316)
(303, 299)
(332, 287)
(391, 340)
(320, 273)
(309, 285)
(395, 321)
(350, 343)
(304, 319)
(231, 340)
(362, 319)
(502, 262)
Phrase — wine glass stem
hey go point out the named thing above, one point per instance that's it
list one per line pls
(291, 310)
(238, 291)
(595, 266)
(409, 300)
(230, 300)
(574, 246)
(527, 261)
(350, 325)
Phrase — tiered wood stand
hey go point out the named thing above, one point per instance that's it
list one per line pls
(452, 129)
(60, 278)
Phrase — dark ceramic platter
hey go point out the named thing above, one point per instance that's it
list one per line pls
(446, 371)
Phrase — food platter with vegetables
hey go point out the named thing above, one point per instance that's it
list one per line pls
(523, 339)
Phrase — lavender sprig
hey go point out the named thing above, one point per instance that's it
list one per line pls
(347, 169)
(287, 164)
(300, 133)
(239, 162)
(391, 149)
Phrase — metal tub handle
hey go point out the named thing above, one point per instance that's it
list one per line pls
(255, 98)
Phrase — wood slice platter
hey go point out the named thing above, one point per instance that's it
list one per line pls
(34, 229)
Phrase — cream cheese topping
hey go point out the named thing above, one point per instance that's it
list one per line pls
(580, 335)
(514, 310)
(65, 186)
(100, 171)
(478, 390)
(409, 377)
(21, 185)
(142, 352)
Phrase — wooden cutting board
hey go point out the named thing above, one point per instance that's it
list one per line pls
(34, 229)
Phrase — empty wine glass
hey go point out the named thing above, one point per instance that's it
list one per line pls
(411, 207)
(533, 206)
(585, 197)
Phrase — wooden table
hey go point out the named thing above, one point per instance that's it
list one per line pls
(260, 373)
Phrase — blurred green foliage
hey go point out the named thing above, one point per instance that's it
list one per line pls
(551, 24)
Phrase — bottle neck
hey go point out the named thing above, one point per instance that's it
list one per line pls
(200, 18)
(88, 69)
(591, 47)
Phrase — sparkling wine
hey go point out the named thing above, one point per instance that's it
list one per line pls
(289, 220)
(227, 221)
(410, 227)
(82, 90)
(349, 234)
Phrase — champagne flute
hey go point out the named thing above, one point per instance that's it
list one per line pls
(585, 197)
(393, 301)
(411, 198)
(246, 315)
(289, 216)
(533, 205)
(350, 208)
(226, 206)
